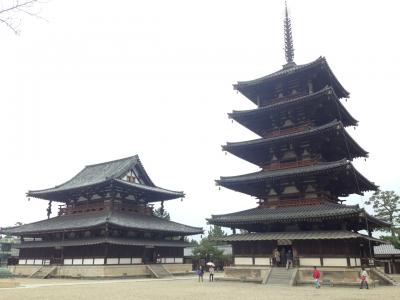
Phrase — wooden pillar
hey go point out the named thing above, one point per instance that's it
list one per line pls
(106, 244)
(62, 249)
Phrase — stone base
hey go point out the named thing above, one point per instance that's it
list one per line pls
(247, 273)
(334, 276)
(102, 271)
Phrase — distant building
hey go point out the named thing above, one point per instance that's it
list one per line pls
(8, 250)
(389, 256)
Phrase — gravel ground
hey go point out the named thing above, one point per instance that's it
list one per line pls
(180, 288)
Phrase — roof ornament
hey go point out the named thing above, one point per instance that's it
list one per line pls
(289, 50)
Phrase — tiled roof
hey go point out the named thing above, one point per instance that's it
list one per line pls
(386, 250)
(301, 235)
(105, 174)
(287, 214)
(244, 149)
(94, 219)
(242, 86)
(95, 241)
(247, 117)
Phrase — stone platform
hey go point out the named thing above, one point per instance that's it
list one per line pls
(103, 271)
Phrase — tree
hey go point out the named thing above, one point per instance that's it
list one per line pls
(161, 213)
(12, 10)
(215, 232)
(207, 250)
(386, 205)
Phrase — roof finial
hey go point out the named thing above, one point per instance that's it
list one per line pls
(289, 51)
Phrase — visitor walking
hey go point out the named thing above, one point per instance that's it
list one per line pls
(316, 276)
(277, 257)
(364, 278)
(200, 273)
(289, 259)
(211, 270)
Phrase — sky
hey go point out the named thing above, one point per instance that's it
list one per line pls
(103, 80)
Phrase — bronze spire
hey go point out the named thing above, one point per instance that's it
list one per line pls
(289, 51)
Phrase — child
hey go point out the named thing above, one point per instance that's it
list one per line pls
(316, 275)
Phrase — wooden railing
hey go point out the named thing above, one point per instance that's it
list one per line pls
(288, 165)
(273, 101)
(106, 205)
(290, 130)
(296, 200)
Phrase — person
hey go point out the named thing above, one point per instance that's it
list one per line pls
(200, 273)
(364, 278)
(316, 276)
(283, 257)
(277, 257)
(289, 259)
(211, 270)
(273, 258)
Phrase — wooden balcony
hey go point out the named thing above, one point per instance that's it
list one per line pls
(106, 205)
(273, 101)
(287, 131)
(288, 165)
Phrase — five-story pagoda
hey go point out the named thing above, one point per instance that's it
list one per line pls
(305, 154)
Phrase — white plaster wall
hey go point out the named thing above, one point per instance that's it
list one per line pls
(335, 262)
(243, 261)
(309, 262)
(262, 261)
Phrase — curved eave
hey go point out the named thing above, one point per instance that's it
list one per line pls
(59, 194)
(257, 144)
(92, 220)
(158, 193)
(244, 86)
(96, 241)
(237, 183)
(302, 235)
(248, 118)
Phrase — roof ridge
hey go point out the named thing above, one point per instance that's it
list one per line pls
(136, 156)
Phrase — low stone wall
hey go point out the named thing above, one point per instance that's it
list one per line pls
(334, 276)
(20, 270)
(247, 273)
(178, 268)
(102, 271)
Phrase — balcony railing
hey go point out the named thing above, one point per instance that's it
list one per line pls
(287, 131)
(288, 165)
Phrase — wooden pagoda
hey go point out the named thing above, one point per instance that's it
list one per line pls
(106, 219)
(305, 154)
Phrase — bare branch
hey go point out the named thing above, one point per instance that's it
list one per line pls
(11, 10)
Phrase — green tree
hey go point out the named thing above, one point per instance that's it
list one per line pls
(207, 250)
(215, 232)
(161, 213)
(386, 205)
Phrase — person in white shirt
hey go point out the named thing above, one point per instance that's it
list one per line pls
(364, 278)
(211, 270)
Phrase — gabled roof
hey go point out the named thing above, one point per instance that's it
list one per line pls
(249, 88)
(288, 214)
(104, 175)
(300, 235)
(96, 219)
(252, 182)
(254, 150)
(255, 119)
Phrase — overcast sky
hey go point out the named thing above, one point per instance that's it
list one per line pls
(102, 80)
